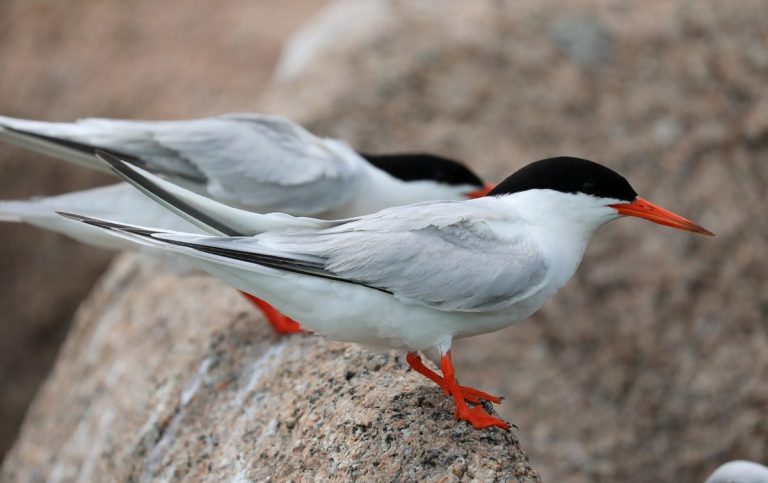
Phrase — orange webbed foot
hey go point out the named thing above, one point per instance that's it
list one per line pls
(280, 323)
(472, 395)
(284, 325)
(477, 396)
(476, 415)
(479, 419)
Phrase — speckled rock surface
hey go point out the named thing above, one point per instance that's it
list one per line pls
(155, 384)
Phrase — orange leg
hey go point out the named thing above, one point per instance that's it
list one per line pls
(279, 322)
(476, 416)
(470, 394)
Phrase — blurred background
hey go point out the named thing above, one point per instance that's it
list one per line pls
(651, 365)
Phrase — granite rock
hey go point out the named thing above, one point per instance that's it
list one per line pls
(153, 384)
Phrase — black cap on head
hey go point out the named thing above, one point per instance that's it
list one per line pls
(568, 175)
(424, 167)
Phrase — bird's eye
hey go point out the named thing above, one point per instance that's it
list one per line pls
(589, 187)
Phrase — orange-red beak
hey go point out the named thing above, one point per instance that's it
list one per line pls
(642, 208)
(481, 192)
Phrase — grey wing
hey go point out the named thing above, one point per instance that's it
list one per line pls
(247, 160)
(460, 256)
(267, 163)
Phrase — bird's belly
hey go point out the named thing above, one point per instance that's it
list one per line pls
(493, 321)
(352, 313)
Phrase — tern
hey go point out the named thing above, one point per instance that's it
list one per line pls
(413, 277)
(256, 162)
(739, 471)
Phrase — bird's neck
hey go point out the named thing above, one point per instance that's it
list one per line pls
(381, 190)
(563, 224)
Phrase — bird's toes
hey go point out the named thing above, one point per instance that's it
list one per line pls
(479, 419)
(476, 396)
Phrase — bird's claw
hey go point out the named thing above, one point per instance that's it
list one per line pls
(479, 419)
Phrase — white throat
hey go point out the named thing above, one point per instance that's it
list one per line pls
(563, 224)
(381, 190)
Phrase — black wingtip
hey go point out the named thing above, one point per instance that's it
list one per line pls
(280, 263)
(92, 221)
(72, 216)
(131, 173)
(73, 145)
(125, 170)
(83, 148)
(118, 165)
(111, 225)
(107, 157)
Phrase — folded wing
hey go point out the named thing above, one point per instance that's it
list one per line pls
(451, 256)
(457, 256)
(243, 159)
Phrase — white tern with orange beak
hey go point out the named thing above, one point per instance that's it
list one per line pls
(413, 277)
